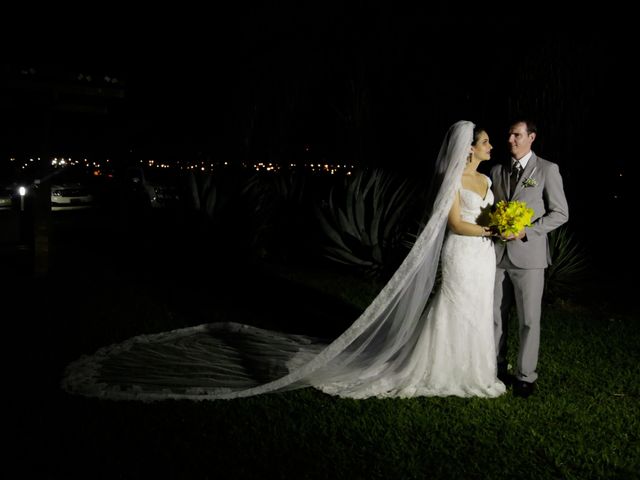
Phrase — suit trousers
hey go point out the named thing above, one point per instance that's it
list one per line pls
(524, 287)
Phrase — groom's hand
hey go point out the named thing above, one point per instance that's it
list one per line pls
(507, 238)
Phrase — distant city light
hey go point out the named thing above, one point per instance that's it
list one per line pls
(99, 167)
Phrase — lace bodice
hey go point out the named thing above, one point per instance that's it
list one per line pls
(473, 205)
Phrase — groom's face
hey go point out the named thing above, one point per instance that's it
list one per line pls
(520, 140)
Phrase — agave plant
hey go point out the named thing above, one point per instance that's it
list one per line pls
(362, 220)
(203, 194)
(211, 194)
(569, 263)
(273, 202)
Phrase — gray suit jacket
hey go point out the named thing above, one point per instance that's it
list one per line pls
(549, 204)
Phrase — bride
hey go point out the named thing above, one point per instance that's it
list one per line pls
(400, 346)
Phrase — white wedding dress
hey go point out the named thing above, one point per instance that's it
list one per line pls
(398, 347)
(456, 353)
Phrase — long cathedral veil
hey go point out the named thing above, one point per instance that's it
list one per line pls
(231, 360)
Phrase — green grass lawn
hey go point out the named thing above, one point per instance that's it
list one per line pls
(583, 422)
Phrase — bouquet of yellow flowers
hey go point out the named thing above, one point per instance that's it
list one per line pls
(509, 218)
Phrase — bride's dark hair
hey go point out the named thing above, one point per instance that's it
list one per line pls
(477, 130)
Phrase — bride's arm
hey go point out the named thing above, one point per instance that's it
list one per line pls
(459, 226)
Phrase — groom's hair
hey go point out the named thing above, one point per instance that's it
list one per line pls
(531, 126)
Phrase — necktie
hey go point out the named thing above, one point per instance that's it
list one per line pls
(516, 170)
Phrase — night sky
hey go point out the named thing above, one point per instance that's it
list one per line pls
(359, 83)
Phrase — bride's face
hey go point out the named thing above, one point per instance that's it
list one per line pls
(482, 148)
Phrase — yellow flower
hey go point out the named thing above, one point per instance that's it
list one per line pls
(509, 218)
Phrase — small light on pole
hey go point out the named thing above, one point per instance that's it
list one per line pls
(22, 191)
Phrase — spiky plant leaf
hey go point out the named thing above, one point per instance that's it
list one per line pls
(569, 263)
(273, 202)
(362, 219)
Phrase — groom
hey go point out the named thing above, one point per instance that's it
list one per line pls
(522, 259)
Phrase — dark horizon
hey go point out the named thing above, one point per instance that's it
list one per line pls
(392, 85)
(338, 88)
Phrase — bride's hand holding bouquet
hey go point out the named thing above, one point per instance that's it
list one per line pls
(508, 219)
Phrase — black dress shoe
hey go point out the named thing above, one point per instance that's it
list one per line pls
(523, 389)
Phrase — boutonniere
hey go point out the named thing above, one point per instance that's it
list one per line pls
(530, 181)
